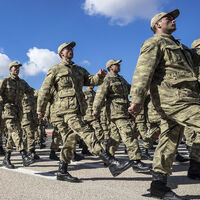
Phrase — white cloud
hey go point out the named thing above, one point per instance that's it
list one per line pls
(40, 60)
(85, 63)
(122, 12)
(4, 63)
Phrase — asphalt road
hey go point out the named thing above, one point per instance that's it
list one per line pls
(38, 181)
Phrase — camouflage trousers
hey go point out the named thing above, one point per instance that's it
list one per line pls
(151, 135)
(29, 137)
(123, 129)
(71, 127)
(69, 139)
(171, 135)
(189, 136)
(98, 130)
(56, 139)
(14, 134)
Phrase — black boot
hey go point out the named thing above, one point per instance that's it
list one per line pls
(6, 161)
(42, 146)
(194, 170)
(180, 158)
(2, 152)
(53, 155)
(26, 160)
(116, 167)
(63, 175)
(145, 154)
(77, 157)
(140, 167)
(159, 188)
(32, 154)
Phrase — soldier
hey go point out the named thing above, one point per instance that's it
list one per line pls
(28, 124)
(167, 67)
(115, 90)
(68, 80)
(12, 90)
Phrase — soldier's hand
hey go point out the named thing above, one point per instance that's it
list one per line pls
(134, 109)
(40, 115)
(102, 72)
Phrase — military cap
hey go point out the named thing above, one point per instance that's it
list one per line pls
(195, 43)
(112, 62)
(175, 13)
(62, 46)
(14, 63)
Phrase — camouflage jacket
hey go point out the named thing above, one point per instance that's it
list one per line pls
(12, 90)
(115, 90)
(89, 97)
(168, 68)
(68, 80)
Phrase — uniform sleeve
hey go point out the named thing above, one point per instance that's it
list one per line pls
(44, 92)
(89, 79)
(2, 86)
(148, 60)
(100, 97)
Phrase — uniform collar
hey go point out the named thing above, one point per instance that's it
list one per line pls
(67, 63)
(14, 77)
(165, 35)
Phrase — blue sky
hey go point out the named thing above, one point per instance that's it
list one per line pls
(31, 32)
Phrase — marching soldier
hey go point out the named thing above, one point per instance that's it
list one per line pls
(168, 68)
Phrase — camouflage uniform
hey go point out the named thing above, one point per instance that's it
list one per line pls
(1, 127)
(68, 79)
(28, 121)
(168, 68)
(115, 90)
(12, 90)
(88, 117)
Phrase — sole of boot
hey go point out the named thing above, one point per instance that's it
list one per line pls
(118, 172)
(71, 181)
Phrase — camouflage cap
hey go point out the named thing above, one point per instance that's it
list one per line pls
(112, 62)
(195, 43)
(14, 63)
(62, 46)
(175, 13)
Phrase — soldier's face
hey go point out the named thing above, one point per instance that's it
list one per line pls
(14, 70)
(115, 68)
(167, 24)
(67, 53)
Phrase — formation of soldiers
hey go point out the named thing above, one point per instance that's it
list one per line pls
(164, 101)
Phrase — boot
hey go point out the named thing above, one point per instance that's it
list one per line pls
(32, 154)
(159, 188)
(26, 160)
(116, 167)
(63, 175)
(145, 154)
(53, 155)
(194, 170)
(2, 152)
(180, 158)
(139, 166)
(77, 157)
(6, 161)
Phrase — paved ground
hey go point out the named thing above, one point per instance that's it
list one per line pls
(38, 182)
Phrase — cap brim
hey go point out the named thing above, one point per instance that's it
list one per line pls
(117, 62)
(72, 44)
(175, 13)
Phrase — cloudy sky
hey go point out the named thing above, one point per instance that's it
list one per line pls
(31, 32)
